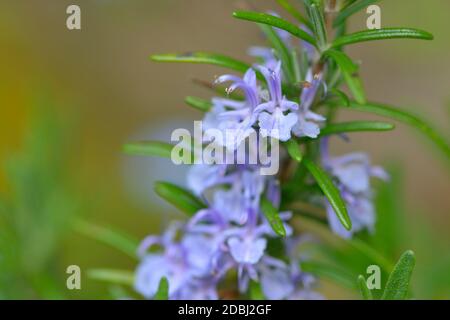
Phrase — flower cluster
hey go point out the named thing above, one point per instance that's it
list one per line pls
(232, 235)
(267, 109)
(352, 172)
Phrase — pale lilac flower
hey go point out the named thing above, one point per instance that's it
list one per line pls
(353, 173)
(180, 262)
(234, 119)
(286, 281)
(200, 177)
(247, 246)
(154, 266)
(267, 55)
(276, 119)
(276, 282)
(200, 289)
(308, 121)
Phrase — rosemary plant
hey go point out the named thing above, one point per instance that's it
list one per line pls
(245, 231)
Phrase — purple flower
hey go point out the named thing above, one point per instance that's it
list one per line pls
(307, 125)
(154, 266)
(200, 177)
(276, 282)
(183, 263)
(275, 118)
(286, 281)
(267, 55)
(243, 197)
(353, 173)
(234, 119)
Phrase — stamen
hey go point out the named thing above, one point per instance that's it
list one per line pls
(306, 84)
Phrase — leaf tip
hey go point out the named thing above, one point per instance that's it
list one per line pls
(409, 254)
(347, 223)
(155, 57)
(281, 231)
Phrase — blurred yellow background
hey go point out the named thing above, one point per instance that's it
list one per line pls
(103, 85)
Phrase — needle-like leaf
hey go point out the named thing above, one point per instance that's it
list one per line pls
(397, 285)
(328, 271)
(355, 126)
(217, 60)
(149, 148)
(341, 95)
(331, 192)
(163, 290)
(204, 58)
(318, 22)
(113, 238)
(294, 150)
(199, 104)
(179, 197)
(349, 71)
(275, 21)
(294, 12)
(365, 292)
(352, 9)
(124, 277)
(405, 117)
(281, 50)
(273, 217)
(381, 34)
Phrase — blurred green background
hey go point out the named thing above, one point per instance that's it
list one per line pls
(70, 99)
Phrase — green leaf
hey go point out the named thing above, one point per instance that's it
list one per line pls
(389, 232)
(330, 272)
(381, 34)
(318, 22)
(149, 148)
(330, 191)
(275, 22)
(218, 60)
(350, 10)
(273, 217)
(163, 290)
(349, 71)
(255, 292)
(118, 292)
(282, 51)
(124, 277)
(204, 58)
(294, 12)
(199, 104)
(179, 197)
(108, 236)
(296, 67)
(365, 292)
(344, 98)
(397, 285)
(355, 126)
(339, 243)
(294, 150)
(405, 117)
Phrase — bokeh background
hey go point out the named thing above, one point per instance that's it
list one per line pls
(70, 99)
